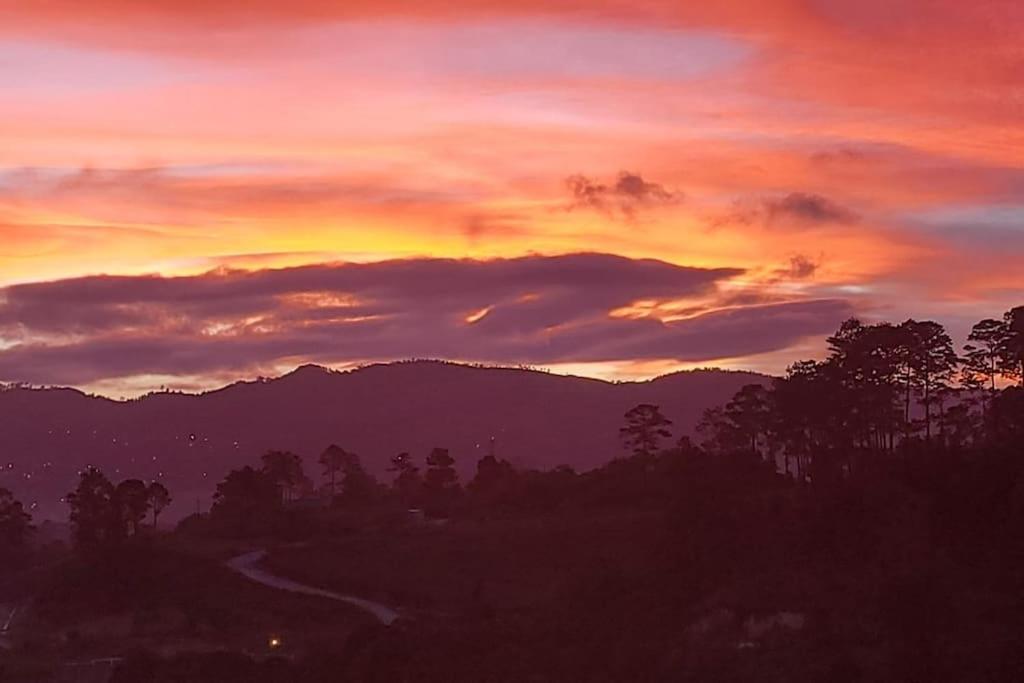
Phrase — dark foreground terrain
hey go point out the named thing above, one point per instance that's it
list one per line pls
(860, 519)
(683, 566)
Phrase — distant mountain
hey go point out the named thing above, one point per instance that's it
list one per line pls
(190, 441)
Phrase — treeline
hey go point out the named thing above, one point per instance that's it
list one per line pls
(108, 522)
(878, 495)
(277, 496)
(885, 392)
(883, 389)
(105, 516)
(15, 528)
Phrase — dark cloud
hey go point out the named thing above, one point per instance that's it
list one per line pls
(800, 267)
(185, 191)
(802, 207)
(480, 225)
(627, 195)
(726, 333)
(795, 208)
(841, 155)
(532, 309)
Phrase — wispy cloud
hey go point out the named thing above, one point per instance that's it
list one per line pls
(626, 196)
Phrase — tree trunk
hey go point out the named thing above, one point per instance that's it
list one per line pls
(927, 412)
(906, 408)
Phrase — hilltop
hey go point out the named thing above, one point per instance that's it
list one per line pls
(535, 418)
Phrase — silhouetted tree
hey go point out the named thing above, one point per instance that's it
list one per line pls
(131, 498)
(645, 429)
(862, 377)
(830, 414)
(1011, 352)
(932, 363)
(869, 366)
(961, 426)
(440, 483)
(494, 482)
(802, 423)
(748, 410)
(441, 474)
(357, 485)
(246, 500)
(407, 482)
(982, 353)
(94, 517)
(333, 460)
(159, 499)
(491, 473)
(15, 525)
(1006, 418)
(718, 433)
(284, 468)
(104, 516)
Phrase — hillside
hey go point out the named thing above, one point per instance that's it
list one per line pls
(536, 419)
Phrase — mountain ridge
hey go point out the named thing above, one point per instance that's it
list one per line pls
(536, 418)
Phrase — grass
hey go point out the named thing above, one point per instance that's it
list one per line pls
(500, 564)
(166, 601)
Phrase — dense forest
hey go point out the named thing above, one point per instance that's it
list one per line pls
(859, 519)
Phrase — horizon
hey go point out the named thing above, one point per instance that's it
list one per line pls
(261, 379)
(613, 373)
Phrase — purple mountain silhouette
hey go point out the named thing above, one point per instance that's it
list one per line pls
(190, 441)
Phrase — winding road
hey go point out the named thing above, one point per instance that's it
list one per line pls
(248, 566)
(7, 614)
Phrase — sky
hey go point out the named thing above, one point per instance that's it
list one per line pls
(198, 191)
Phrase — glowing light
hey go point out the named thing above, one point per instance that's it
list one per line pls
(478, 315)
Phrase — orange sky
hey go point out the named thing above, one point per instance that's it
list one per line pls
(868, 154)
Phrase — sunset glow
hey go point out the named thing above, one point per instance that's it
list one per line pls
(279, 183)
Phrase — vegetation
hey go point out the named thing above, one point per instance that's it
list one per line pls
(408, 484)
(246, 502)
(103, 516)
(645, 429)
(883, 389)
(333, 460)
(284, 470)
(15, 527)
(859, 519)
